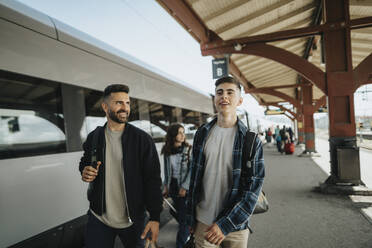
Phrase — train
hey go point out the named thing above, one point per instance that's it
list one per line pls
(51, 80)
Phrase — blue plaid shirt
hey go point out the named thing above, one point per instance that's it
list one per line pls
(243, 196)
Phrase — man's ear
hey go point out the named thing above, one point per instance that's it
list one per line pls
(104, 106)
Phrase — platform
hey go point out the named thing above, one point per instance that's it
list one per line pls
(299, 216)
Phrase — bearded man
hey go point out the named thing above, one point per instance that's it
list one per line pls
(121, 165)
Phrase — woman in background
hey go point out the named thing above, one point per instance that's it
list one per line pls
(176, 153)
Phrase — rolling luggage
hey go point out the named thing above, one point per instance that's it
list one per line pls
(289, 148)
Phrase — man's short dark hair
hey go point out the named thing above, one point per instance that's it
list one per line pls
(113, 88)
(229, 80)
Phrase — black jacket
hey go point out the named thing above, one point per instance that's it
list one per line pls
(141, 173)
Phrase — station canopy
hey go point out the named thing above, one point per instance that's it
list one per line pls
(273, 22)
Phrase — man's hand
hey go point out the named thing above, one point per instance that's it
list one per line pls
(214, 234)
(153, 228)
(89, 173)
(165, 192)
(182, 192)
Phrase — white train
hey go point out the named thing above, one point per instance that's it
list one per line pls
(51, 80)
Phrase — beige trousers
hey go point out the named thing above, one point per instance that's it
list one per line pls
(237, 239)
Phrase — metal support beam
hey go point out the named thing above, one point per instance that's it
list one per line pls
(308, 111)
(300, 122)
(273, 88)
(282, 108)
(300, 65)
(340, 89)
(280, 95)
(289, 116)
(362, 74)
(293, 33)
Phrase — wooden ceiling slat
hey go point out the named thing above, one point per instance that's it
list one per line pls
(362, 3)
(191, 2)
(362, 31)
(263, 62)
(287, 45)
(361, 49)
(285, 77)
(277, 21)
(252, 16)
(228, 8)
(270, 77)
(269, 71)
(361, 42)
(263, 69)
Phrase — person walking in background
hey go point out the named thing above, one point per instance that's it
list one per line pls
(177, 176)
(268, 135)
(283, 138)
(121, 165)
(290, 132)
(277, 131)
(278, 140)
(221, 201)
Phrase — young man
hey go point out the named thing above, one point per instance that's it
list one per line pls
(219, 203)
(126, 179)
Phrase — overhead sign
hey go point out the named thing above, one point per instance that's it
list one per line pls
(220, 67)
(273, 112)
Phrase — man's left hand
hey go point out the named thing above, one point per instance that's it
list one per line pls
(182, 192)
(214, 234)
(153, 228)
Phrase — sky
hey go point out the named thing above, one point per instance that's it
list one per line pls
(143, 29)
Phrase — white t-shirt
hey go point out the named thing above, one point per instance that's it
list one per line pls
(217, 179)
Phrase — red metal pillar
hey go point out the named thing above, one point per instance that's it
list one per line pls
(301, 128)
(300, 121)
(339, 84)
(308, 111)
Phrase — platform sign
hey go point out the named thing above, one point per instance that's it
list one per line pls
(273, 112)
(220, 67)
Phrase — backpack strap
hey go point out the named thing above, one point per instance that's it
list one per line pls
(250, 139)
(248, 153)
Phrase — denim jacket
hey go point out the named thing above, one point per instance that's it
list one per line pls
(184, 176)
(242, 197)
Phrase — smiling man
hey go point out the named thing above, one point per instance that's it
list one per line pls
(124, 181)
(220, 201)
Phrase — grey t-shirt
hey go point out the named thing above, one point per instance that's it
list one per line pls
(116, 215)
(217, 179)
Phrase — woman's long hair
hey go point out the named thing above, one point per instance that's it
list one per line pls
(170, 139)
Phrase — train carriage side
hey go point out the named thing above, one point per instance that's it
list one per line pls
(51, 79)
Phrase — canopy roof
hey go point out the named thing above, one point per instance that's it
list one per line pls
(293, 25)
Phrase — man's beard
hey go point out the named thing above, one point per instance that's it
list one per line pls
(114, 116)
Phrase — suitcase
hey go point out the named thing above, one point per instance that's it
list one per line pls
(289, 148)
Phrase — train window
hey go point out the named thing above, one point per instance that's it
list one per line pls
(95, 116)
(31, 117)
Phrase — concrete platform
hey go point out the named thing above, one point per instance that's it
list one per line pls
(299, 216)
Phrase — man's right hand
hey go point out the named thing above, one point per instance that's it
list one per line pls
(89, 173)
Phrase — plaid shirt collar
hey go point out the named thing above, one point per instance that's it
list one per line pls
(242, 129)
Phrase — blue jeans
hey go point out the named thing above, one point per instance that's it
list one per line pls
(183, 230)
(99, 235)
(180, 205)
